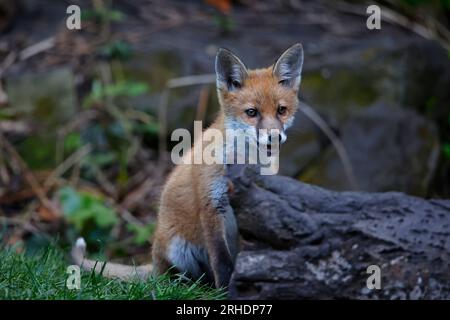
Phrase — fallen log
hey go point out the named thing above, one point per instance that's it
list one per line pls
(305, 242)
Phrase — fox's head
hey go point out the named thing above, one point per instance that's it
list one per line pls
(259, 99)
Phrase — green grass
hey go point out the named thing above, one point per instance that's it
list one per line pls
(43, 276)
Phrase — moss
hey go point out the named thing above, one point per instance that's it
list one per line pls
(155, 69)
(341, 91)
(39, 151)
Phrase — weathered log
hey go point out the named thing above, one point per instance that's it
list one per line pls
(303, 241)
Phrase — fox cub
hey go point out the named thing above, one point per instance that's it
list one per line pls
(196, 231)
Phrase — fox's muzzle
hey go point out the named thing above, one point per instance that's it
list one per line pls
(267, 137)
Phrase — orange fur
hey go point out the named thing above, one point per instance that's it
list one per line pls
(196, 230)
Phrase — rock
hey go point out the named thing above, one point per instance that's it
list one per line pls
(389, 149)
(49, 101)
(50, 96)
(305, 242)
(399, 82)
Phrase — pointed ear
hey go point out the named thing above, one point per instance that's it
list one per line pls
(230, 71)
(288, 67)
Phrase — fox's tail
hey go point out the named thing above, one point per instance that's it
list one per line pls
(108, 269)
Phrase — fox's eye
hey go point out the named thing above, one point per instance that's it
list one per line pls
(236, 84)
(282, 110)
(252, 112)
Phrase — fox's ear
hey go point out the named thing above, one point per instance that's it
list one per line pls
(288, 67)
(230, 71)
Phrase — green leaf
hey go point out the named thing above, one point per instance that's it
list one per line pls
(104, 216)
(70, 200)
(6, 115)
(141, 233)
(81, 207)
(117, 50)
(446, 150)
(446, 5)
(101, 159)
(72, 142)
(151, 128)
(126, 88)
(102, 15)
(121, 88)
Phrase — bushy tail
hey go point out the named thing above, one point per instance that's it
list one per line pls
(108, 269)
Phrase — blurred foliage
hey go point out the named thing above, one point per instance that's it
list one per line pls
(446, 150)
(224, 23)
(72, 142)
(222, 18)
(100, 91)
(102, 15)
(38, 158)
(142, 233)
(446, 144)
(80, 208)
(118, 134)
(118, 49)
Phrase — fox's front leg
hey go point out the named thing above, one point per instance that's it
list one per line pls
(220, 257)
(220, 232)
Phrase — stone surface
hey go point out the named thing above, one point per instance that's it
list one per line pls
(43, 101)
(302, 241)
(389, 148)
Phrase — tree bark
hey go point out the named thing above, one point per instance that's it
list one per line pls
(302, 241)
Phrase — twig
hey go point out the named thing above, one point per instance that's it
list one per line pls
(191, 80)
(401, 20)
(337, 143)
(29, 176)
(4, 176)
(18, 127)
(26, 53)
(128, 217)
(3, 95)
(163, 103)
(137, 194)
(73, 159)
(7, 62)
(37, 48)
(23, 224)
(138, 115)
(75, 176)
(80, 120)
(202, 104)
(162, 120)
(12, 221)
(105, 184)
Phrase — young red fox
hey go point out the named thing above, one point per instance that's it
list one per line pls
(196, 232)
